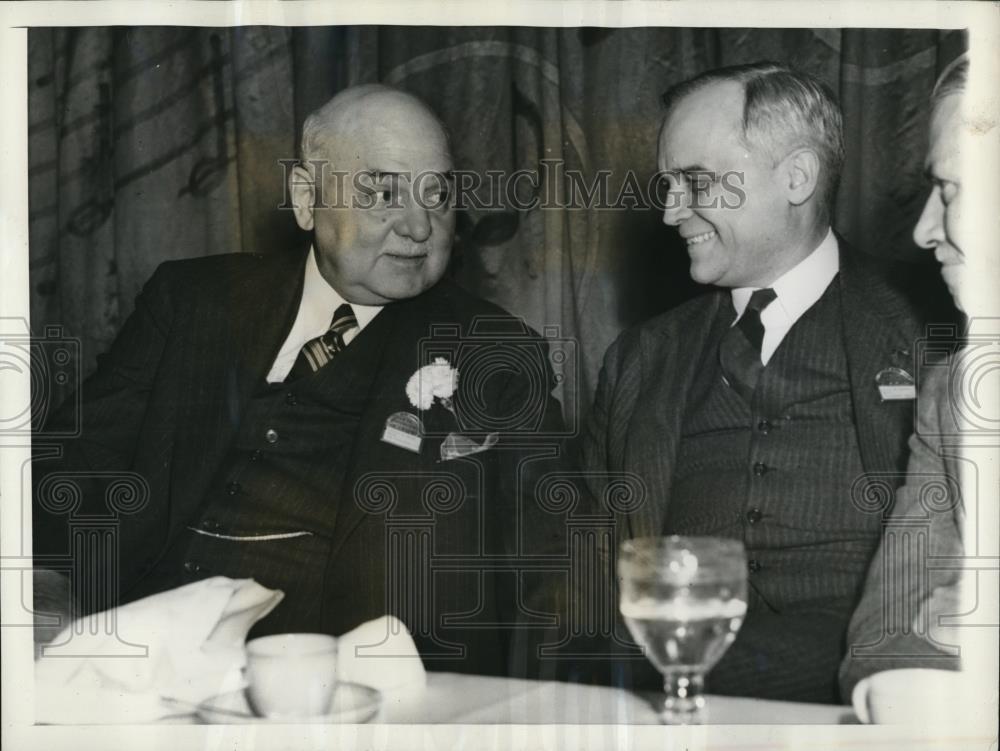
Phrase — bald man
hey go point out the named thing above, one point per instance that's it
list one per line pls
(270, 404)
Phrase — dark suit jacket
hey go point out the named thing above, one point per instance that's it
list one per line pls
(639, 409)
(166, 401)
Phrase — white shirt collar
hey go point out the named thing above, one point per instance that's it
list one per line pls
(320, 300)
(316, 309)
(797, 290)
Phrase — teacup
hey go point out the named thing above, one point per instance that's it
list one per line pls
(291, 675)
(912, 696)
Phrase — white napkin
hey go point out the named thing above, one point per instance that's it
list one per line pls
(194, 638)
(380, 654)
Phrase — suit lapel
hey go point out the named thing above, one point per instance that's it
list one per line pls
(401, 327)
(265, 320)
(671, 360)
(875, 337)
(236, 341)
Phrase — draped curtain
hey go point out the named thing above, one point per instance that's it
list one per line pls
(151, 144)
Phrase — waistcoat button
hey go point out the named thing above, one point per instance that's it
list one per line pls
(754, 515)
(760, 469)
(233, 488)
(764, 427)
(271, 436)
(754, 565)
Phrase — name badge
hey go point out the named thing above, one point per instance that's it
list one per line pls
(404, 430)
(895, 384)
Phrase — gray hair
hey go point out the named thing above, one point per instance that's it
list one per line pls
(782, 109)
(953, 79)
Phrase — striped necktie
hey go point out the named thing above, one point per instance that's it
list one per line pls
(739, 350)
(319, 351)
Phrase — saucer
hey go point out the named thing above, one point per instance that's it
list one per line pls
(352, 704)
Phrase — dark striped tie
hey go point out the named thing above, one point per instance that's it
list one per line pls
(319, 351)
(739, 350)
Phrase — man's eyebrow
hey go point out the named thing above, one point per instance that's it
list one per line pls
(688, 168)
(446, 177)
(377, 174)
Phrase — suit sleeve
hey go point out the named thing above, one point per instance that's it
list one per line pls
(529, 528)
(592, 446)
(543, 503)
(584, 643)
(109, 412)
(887, 630)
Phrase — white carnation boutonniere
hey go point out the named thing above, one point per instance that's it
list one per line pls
(435, 381)
(439, 381)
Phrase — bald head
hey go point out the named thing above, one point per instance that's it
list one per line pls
(358, 109)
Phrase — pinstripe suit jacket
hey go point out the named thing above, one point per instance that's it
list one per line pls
(166, 401)
(639, 408)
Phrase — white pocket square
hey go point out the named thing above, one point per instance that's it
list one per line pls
(456, 446)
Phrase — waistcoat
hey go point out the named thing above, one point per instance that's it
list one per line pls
(777, 472)
(280, 483)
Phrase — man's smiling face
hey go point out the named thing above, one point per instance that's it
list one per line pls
(730, 245)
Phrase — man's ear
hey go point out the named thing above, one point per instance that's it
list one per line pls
(302, 186)
(802, 168)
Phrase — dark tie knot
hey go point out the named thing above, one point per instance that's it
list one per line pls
(739, 349)
(319, 351)
(343, 319)
(761, 298)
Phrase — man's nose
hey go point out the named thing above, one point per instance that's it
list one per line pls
(415, 222)
(929, 231)
(678, 206)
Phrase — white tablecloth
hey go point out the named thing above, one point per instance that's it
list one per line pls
(470, 699)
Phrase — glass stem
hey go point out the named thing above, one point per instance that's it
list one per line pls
(685, 700)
